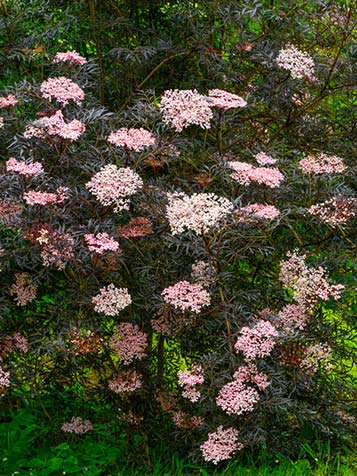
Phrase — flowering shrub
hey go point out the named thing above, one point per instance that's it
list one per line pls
(202, 290)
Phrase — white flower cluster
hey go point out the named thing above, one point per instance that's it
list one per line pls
(299, 63)
(198, 212)
(111, 300)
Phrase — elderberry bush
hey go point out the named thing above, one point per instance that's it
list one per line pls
(188, 260)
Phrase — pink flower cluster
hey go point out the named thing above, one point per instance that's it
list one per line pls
(132, 139)
(77, 425)
(23, 290)
(186, 296)
(44, 198)
(188, 379)
(8, 101)
(126, 382)
(63, 90)
(55, 125)
(335, 211)
(236, 398)
(71, 57)
(136, 228)
(4, 378)
(113, 185)
(292, 317)
(129, 343)
(101, 242)
(245, 174)
(14, 342)
(221, 445)
(258, 210)
(317, 356)
(256, 341)
(299, 63)
(224, 100)
(182, 108)
(322, 164)
(263, 159)
(30, 170)
(111, 300)
(309, 284)
(198, 212)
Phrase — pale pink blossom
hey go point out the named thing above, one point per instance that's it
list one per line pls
(224, 100)
(198, 212)
(292, 317)
(221, 445)
(186, 296)
(126, 382)
(1, 122)
(299, 63)
(256, 341)
(77, 425)
(55, 125)
(8, 101)
(263, 159)
(335, 211)
(111, 300)
(71, 57)
(129, 343)
(309, 284)
(132, 139)
(182, 108)
(101, 242)
(259, 210)
(30, 170)
(4, 378)
(113, 186)
(63, 90)
(188, 379)
(245, 174)
(22, 289)
(322, 164)
(44, 198)
(236, 398)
